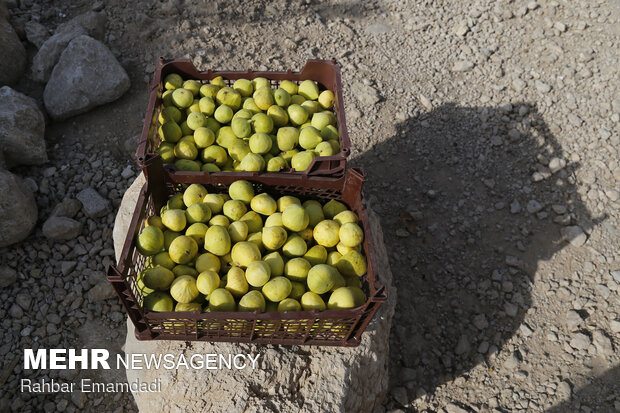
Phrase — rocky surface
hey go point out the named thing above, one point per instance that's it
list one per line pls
(22, 129)
(18, 210)
(13, 62)
(87, 75)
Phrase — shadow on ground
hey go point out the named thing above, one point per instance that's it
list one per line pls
(466, 228)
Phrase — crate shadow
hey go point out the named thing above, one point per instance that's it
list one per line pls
(463, 262)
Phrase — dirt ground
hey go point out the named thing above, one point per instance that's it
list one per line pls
(487, 130)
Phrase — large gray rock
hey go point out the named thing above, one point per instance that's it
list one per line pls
(12, 54)
(22, 129)
(18, 209)
(90, 24)
(87, 75)
(36, 33)
(287, 378)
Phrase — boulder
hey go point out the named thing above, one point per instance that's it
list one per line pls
(286, 378)
(87, 75)
(90, 24)
(22, 129)
(13, 62)
(18, 209)
(36, 33)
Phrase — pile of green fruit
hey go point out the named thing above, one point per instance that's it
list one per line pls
(247, 127)
(245, 252)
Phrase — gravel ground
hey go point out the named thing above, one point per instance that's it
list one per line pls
(489, 131)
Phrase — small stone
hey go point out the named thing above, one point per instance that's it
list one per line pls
(518, 85)
(515, 207)
(525, 330)
(512, 361)
(480, 322)
(551, 336)
(18, 208)
(453, 408)
(542, 87)
(614, 325)
(402, 233)
(127, 172)
(7, 276)
(602, 343)
(564, 390)
(67, 208)
(573, 320)
(94, 204)
(400, 395)
(511, 309)
(61, 228)
(603, 290)
(579, 341)
(100, 292)
(67, 266)
(615, 275)
(534, 206)
(483, 347)
(16, 311)
(378, 28)
(78, 398)
(532, 5)
(461, 29)
(462, 346)
(560, 26)
(428, 105)
(463, 66)
(574, 235)
(559, 209)
(556, 164)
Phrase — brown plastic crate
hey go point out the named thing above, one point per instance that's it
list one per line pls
(329, 327)
(326, 73)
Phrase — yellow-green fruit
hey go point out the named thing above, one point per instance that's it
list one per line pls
(306, 235)
(223, 114)
(173, 81)
(327, 99)
(276, 263)
(192, 85)
(277, 289)
(298, 290)
(182, 98)
(309, 137)
(187, 165)
(309, 89)
(315, 212)
(238, 231)
(221, 300)
(322, 278)
(208, 281)
(260, 143)
(294, 246)
(311, 107)
(316, 255)
(287, 200)
(326, 233)
(297, 114)
(263, 98)
(181, 269)
(343, 249)
(209, 90)
(324, 149)
(289, 304)
(197, 231)
(252, 162)
(296, 269)
(288, 138)
(351, 235)
(183, 249)
(218, 81)
(354, 281)
(217, 240)
(278, 115)
(225, 137)
(241, 127)
(206, 105)
(214, 154)
(183, 289)
(207, 262)
(312, 301)
(220, 220)
(234, 209)
(186, 150)
(256, 238)
(333, 208)
(295, 217)
(288, 155)
(271, 307)
(241, 190)
(166, 98)
(166, 153)
(198, 212)
(274, 220)
(320, 121)
(154, 221)
(244, 87)
(263, 204)
(150, 241)
(330, 134)
(250, 105)
(276, 164)
(193, 194)
(196, 120)
(260, 82)
(157, 278)
(289, 86)
(274, 237)
(281, 97)
(345, 217)
(213, 124)
(262, 123)
(243, 253)
(352, 263)
(333, 257)
(181, 307)
(169, 236)
(252, 301)
(302, 160)
(297, 99)
(236, 282)
(204, 137)
(158, 301)
(341, 299)
(215, 202)
(185, 130)
(164, 260)
(170, 113)
(194, 107)
(229, 97)
(170, 131)
(174, 219)
(175, 202)
(258, 273)
(253, 221)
